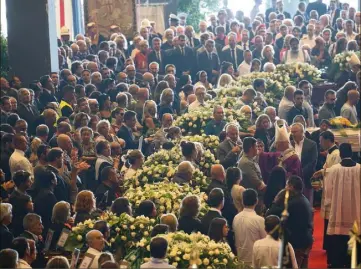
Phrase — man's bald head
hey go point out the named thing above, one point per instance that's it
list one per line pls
(65, 143)
(289, 91)
(191, 98)
(95, 239)
(167, 120)
(133, 89)
(148, 77)
(143, 94)
(353, 96)
(217, 172)
(63, 128)
(122, 77)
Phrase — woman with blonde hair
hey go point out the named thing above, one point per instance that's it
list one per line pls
(60, 220)
(84, 206)
(189, 211)
(268, 55)
(133, 161)
(224, 80)
(149, 120)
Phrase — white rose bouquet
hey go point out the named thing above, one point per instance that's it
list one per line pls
(210, 142)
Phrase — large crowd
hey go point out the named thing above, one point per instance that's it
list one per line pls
(75, 143)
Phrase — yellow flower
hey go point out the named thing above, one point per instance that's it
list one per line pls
(205, 261)
(133, 234)
(186, 257)
(175, 264)
(225, 261)
(79, 237)
(123, 238)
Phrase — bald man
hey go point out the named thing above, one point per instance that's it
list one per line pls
(96, 243)
(122, 77)
(184, 173)
(149, 79)
(348, 110)
(142, 96)
(218, 176)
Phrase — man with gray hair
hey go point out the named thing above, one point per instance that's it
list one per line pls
(184, 173)
(216, 125)
(208, 61)
(96, 243)
(306, 150)
(26, 110)
(160, 135)
(200, 92)
(42, 132)
(269, 67)
(229, 151)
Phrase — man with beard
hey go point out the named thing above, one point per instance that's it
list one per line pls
(327, 111)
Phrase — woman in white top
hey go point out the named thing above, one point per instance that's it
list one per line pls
(134, 161)
(233, 180)
(295, 55)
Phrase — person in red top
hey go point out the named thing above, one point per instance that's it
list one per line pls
(141, 58)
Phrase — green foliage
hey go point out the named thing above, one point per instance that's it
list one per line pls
(4, 66)
(197, 10)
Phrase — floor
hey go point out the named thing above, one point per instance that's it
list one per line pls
(318, 255)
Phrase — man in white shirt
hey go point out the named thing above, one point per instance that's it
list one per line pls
(96, 243)
(348, 110)
(18, 161)
(350, 34)
(265, 251)
(245, 67)
(310, 38)
(248, 227)
(286, 102)
(200, 93)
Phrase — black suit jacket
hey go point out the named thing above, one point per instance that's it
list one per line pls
(309, 156)
(6, 237)
(62, 189)
(152, 57)
(29, 115)
(207, 64)
(189, 225)
(195, 42)
(212, 29)
(321, 8)
(125, 134)
(183, 63)
(335, 17)
(226, 55)
(207, 219)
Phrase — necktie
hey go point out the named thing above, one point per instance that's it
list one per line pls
(244, 46)
(209, 56)
(158, 56)
(190, 42)
(182, 51)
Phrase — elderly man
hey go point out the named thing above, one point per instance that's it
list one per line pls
(306, 150)
(26, 110)
(160, 135)
(18, 161)
(348, 110)
(142, 96)
(310, 38)
(184, 173)
(232, 53)
(218, 176)
(200, 93)
(148, 80)
(96, 243)
(192, 41)
(216, 125)
(229, 151)
(42, 132)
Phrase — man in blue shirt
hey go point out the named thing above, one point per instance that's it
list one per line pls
(216, 125)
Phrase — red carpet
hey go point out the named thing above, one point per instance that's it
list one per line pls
(318, 255)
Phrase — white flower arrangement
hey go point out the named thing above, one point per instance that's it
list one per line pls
(166, 195)
(184, 249)
(343, 58)
(210, 142)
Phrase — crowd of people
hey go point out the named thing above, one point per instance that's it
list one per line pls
(70, 139)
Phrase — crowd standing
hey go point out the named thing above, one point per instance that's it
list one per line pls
(71, 138)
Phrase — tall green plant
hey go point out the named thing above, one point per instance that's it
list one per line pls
(197, 9)
(4, 64)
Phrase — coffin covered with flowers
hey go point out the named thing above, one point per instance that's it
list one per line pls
(184, 249)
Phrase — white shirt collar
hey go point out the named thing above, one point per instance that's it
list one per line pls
(20, 152)
(216, 210)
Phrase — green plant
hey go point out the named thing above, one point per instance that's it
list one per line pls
(197, 9)
(4, 67)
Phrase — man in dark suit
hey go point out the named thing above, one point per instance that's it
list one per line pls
(229, 151)
(299, 225)
(154, 69)
(306, 149)
(132, 76)
(273, 8)
(334, 12)
(55, 162)
(232, 53)
(216, 203)
(281, 11)
(320, 7)
(182, 57)
(157, 54)
(209, 61)
(213, 26)
(222, 20)
(192, 41)
(169, 35)
(27, 111)
(220, 40)
(298, 108)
